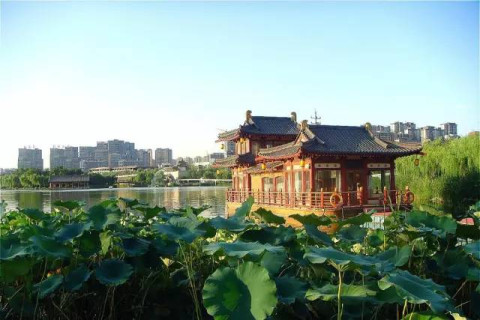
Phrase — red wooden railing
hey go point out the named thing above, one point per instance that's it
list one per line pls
(320, 199)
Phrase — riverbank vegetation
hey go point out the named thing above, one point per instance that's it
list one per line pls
(122, 259)
(447, 177)
(149, 177)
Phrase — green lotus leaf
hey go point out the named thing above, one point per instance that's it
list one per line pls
(348, 293)
(102, 216)
(48, 285)
(317, 235)
(189, 221)
(135, 246)
(276, 236)
(50, 247)
(113, 272)
(69, 205)
(473, 274)
(352, 233)
(12, 269)
(376, 238)
(267, 216)
(397, 256)
(70, 231)
(357, 220)
(89, 243)
(424, 316)
(195, 211)
(34, 214)
(437, 225)
(273, 261)
(473, 249)
(241, 249)
(341, 260)
(75, 278)
(105, 240)
(312, 219)
(246, 292)
(3, 208)
(453, 263)
(244, 210)
(11, 248)
(231, 224)
(290, 289)
(417, 290)
(149, 213)
(165, 248)
(177, 233)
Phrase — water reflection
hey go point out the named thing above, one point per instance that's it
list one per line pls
(164, 197)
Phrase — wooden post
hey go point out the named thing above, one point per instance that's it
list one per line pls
(321, 198)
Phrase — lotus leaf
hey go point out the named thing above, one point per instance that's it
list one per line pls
(317, 235)
(424, 316)
(73, 230)
(290, 289)
(241, 249)
(50, 247)
(34, 214)
(231, 224)
(105, 240)
(48, 285)
(102, 216)
(348, 293)
(280, 235)
(473, 249)
(437, 225)
(352, 233)
(268, 217)
(11, 248)
(75, 278)
(246, 292)
(135, 246)
(177, 233)
(113, 272)
(273, 261)
(357, 220)
(397, 256)
(165, 248)
(312, 219)
(89, 243)
(342, 260)
(417, 290)
(244, 210)
(149, 213)
(69, 205)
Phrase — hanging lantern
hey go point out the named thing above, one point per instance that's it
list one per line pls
(218, 172)
(302, 163)
(222, 146)
(264, 166)
(416, 162)
(242, 140)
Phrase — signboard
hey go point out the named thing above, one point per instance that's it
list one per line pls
(327, 165)
(378, 165)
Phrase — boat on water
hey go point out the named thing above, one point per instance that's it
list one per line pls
(292, 167)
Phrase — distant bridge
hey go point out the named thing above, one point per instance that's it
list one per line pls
(201, 180)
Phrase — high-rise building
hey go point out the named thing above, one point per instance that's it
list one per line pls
(66, 157)
(449, 128)
(144, 157)
(86, 153)
(30, 158)
(163, 156)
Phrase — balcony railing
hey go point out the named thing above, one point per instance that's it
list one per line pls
(321, 199)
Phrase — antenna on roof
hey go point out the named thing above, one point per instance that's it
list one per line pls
(316, 118)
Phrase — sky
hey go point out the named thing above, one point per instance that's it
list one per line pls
(173, 74)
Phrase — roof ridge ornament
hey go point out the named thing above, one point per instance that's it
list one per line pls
(293, 116)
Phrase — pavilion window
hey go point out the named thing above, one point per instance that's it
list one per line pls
(255, 147)
(328, 180)
(298, 181)
(377, 180)
(267, 184)
(240, 182)
(279, 184)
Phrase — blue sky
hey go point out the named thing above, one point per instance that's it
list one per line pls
(171, 74)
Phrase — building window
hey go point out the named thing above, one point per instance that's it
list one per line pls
(255, 147)
(377, 180)
(279, 184)
(267, 184)
(240, 182)
(328, 180)
(298, 181)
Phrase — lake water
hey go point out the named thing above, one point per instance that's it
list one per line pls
(163, 197)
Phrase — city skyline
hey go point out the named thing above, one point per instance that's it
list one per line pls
(172, 75)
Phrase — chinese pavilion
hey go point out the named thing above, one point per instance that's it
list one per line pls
(291, 167)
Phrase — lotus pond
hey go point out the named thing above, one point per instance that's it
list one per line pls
(122, 259)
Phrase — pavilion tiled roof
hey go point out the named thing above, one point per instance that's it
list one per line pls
(338, 140)
(263, 126)
(69, 179)
(269, 166)
(235, 160)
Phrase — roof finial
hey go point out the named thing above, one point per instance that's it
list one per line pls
(293, 116)
(304, 124)
(248, 115)
(315, 118)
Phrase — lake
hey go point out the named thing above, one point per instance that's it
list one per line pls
(164, 197)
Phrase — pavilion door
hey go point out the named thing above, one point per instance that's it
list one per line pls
(354, 180)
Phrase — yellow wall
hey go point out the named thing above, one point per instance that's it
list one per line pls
(257, 179)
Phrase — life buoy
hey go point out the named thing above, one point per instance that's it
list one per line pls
(409, 197)
(332, 200)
